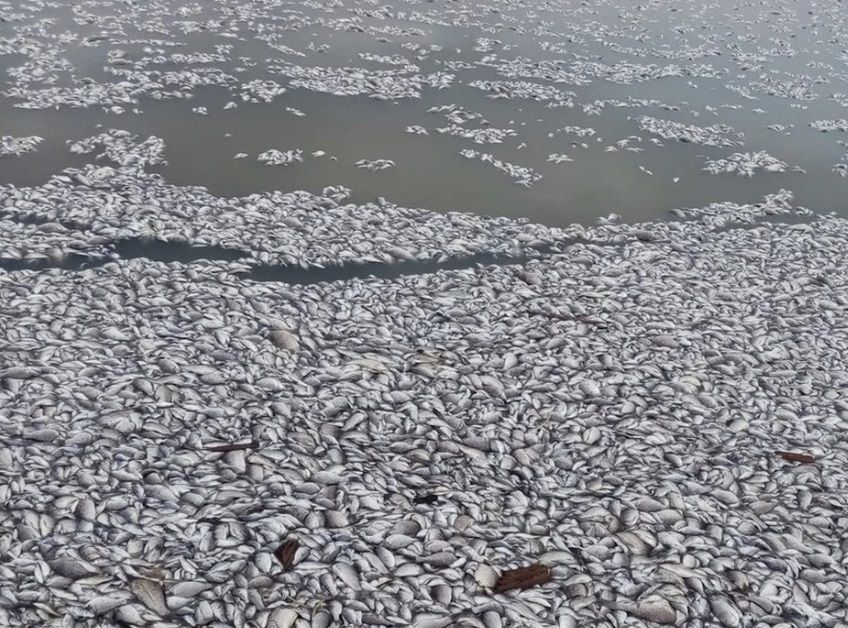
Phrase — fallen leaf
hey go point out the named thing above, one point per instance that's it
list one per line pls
(792, 456)
(523, 578)
(285, 553)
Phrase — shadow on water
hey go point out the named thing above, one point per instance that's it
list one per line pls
(301, 276)
(71, 261)
(128, 248)
(169, 251)
(183, 253)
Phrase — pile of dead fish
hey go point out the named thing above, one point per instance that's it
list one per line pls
(522, 175)
(19, 145)
(548, 94)
(746, 164)
(628, 425)
(646, 428)
(715, 135)
(379, 84)
(276, 157)
(830, 125)
(485, 135)
(375, 165)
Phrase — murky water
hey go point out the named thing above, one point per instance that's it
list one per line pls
(747, 46)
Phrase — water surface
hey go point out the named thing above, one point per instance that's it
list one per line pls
(719, 48)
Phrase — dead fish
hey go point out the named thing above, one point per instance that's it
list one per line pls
(150, 593)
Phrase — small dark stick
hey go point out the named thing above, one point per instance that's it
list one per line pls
(285, 553)
(523, 578)
(792, 456)
(225, 447)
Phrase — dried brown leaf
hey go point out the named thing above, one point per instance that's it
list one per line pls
(285, 553)
(523, 578)
(793, 456)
